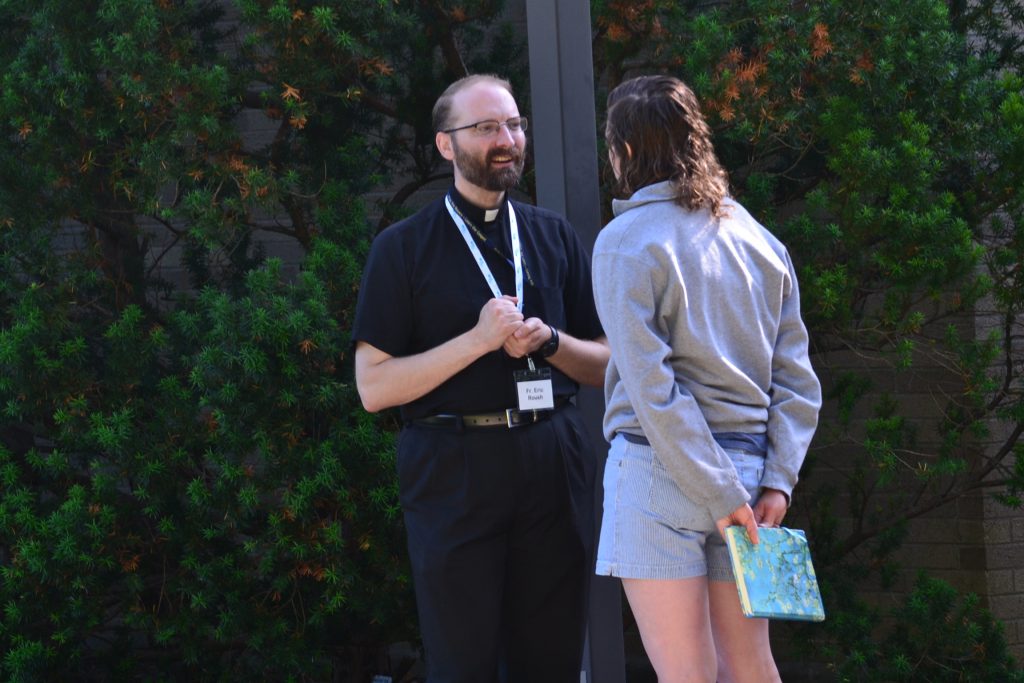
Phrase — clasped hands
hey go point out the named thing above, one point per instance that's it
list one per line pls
(502, 325)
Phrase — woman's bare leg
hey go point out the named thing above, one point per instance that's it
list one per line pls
(742, 645)
(675, 628)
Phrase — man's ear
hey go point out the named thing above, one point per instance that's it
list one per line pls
(444, 145)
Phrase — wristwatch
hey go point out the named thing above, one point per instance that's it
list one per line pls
(551, 345)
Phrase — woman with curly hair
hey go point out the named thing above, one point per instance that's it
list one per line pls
(711, 400)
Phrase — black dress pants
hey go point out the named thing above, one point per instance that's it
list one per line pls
(500, 532)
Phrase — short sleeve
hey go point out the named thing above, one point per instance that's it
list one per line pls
(384, 308)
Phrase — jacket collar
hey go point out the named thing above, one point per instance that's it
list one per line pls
(665, 191)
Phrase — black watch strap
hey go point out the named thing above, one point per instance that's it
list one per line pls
(551, 345)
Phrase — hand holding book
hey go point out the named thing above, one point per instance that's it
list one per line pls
(743, 516)
(775, 578)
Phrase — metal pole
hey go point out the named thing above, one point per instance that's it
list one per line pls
(565, 155)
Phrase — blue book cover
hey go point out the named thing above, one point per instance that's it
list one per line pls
(775, 578)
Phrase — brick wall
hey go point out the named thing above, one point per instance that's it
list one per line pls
(974, 543)
(1004, 570)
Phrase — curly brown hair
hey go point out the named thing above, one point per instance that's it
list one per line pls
(657, 132)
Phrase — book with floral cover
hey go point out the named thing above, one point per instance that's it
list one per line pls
(775, 578)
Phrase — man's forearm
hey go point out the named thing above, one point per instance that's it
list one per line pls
(583, 360)
(385, 381)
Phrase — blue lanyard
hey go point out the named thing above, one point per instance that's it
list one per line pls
(485, 270)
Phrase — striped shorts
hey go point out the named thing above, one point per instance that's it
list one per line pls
(650, 528)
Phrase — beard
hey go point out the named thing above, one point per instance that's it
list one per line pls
(478, 171)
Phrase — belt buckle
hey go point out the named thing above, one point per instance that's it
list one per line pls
(534, 416)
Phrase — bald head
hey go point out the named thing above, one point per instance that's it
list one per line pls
(442, 114)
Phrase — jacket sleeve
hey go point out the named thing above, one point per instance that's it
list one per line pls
(795, 397)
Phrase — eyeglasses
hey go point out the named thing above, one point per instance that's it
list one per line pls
(486, 129)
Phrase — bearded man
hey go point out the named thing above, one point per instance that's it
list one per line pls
(476, 319)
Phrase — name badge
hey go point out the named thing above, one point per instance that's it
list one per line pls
(534, 388)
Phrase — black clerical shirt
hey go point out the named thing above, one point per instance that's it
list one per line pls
(422, 287)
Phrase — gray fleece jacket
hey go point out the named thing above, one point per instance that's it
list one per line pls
(703, 320)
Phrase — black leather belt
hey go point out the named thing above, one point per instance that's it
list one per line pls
(509, 418)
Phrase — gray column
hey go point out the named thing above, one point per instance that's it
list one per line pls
(562, 110)
(564, 132)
